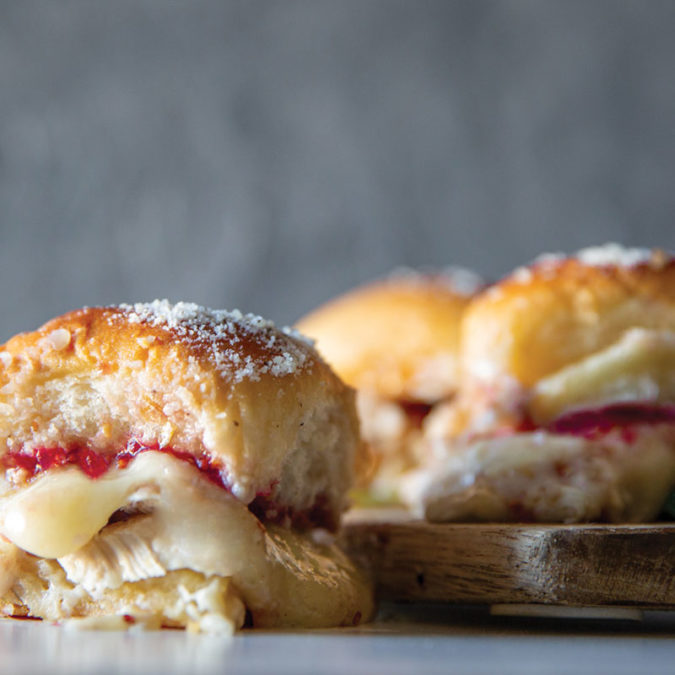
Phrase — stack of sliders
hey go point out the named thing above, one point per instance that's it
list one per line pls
(395, 341)
(169, 465)
(566, 411)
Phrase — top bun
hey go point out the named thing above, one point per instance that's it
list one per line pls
(255, 403)
(396, 337)
(560, 310)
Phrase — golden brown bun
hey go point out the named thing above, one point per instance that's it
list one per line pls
(396, 338)
(258, 402)
(247, 439)
(558, 311)
(44, 589)
(295, 582)
(566, 405)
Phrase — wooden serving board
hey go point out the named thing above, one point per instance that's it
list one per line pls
(579, 565)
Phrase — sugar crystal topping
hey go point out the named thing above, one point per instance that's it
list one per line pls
(607, 255)
(602, 256)
(614, 254)
(219, 331)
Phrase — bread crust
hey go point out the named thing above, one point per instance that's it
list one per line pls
(395, 340)
(153, 538)
(396, 337)
(557, 311)
(564, 407)
(255, 399)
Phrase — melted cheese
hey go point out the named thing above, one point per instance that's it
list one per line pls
(285, 577)
(639, 367)
(49, 519)
(546, 477)
(549, 478)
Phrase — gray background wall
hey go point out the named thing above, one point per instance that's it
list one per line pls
(269, 154)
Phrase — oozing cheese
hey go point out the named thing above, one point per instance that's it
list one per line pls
(62, 510)
(639, 367)
(621, 474)
(285, 577)
(545, 477)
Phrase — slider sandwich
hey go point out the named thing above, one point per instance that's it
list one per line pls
(170, 465)
(395, 342)
(567, 410)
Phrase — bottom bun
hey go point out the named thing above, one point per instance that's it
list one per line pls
(183, 553)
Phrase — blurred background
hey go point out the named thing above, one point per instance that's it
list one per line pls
(267, 154)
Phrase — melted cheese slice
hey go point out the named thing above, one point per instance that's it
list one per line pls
(548, 478)
(284, 577)
(61, 511)
(639, 367)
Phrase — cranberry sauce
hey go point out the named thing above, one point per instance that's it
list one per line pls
(599, 421)
(214, 471)
(92, 463)
(415, 411)
(95, 464)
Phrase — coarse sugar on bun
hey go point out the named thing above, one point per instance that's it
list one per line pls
(141, 440)
(395, 340)
(580, 348)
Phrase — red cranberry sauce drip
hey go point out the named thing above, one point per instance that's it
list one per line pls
(594, 422)
(95, 464)
(600, 421)
(215, 472)
(415, 411)
(92, 463)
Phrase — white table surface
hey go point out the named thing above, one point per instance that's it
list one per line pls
(411, 640)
